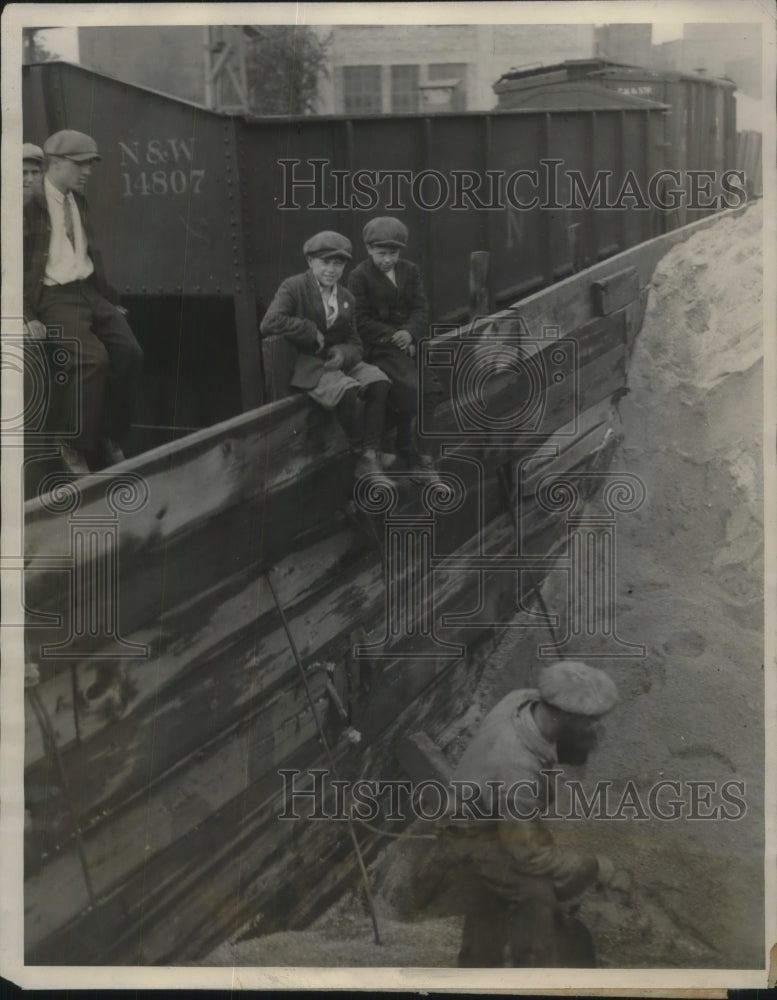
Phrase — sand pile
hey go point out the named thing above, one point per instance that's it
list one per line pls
(689, 587)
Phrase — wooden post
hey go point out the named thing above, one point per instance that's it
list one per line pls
(243, 287)
(479, 297)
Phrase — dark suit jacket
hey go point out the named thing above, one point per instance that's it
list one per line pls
(297, 312)
(37, 237)
(382, 308)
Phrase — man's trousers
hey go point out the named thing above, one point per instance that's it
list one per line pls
(101, 363)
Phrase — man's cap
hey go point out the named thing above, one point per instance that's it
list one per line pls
(72, 145)
(328, 244)
(572, 686)
(32, 152)
(385, 232)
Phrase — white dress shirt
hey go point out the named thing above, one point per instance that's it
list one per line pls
(65, 263)
(331, 307)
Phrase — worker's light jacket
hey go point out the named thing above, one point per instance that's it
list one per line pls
(510, 749)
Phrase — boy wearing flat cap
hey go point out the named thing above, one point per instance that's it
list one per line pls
(522, 873)
(65, 286)
(315, 313)
(32, 170)
(391, 315)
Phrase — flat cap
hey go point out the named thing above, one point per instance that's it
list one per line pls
(385, 231)
(72, 145)
(32, 152)
(573, 686)
(328, 244)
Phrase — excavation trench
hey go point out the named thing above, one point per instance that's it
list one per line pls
(689, 588)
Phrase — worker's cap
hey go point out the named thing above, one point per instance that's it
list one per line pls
(385, 232)
(32, 152)
(573, 686)
(328, 245)
(72, 145)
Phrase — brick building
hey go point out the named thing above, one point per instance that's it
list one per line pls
(391, 69)
(450, 67)
(373, 69)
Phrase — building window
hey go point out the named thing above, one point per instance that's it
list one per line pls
(450, 72)
(404, 89)
(361, 90)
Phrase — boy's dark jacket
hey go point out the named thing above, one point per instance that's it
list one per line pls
(297, 312)
(37, 237)
(382, 308)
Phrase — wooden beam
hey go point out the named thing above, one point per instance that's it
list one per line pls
(479, 296)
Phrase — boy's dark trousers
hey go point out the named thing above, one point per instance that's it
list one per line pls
(405, 398)
(366, 432)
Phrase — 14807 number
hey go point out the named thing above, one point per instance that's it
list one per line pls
(161, 182)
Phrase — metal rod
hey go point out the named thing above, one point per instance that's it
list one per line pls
(544, 610)
(351, 830)
(74, 690)
(49, 738)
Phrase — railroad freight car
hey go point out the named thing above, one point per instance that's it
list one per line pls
(699, 125)
(202, 214)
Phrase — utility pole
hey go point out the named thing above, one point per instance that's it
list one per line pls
(226, 74)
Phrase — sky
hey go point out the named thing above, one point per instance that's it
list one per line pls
(62, 42)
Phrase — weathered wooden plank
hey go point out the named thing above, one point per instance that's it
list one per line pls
(196, 631)
(421, 758)
(568, 304)
(135, 834)
(264, 867)
(298, 873)
(616, 290)
(247, 682)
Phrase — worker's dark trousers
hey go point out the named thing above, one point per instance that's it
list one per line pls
(527, 923)
(100, 361)
(367, 430)
(507, 908)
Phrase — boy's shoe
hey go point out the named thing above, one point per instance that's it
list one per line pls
(110, 452)
(369, 465)
(426, 470)
(73, 460)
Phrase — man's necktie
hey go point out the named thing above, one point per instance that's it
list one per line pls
(69, 229)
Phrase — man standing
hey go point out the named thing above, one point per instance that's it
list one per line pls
(521, 873)
(32, 170)
(65, 287)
